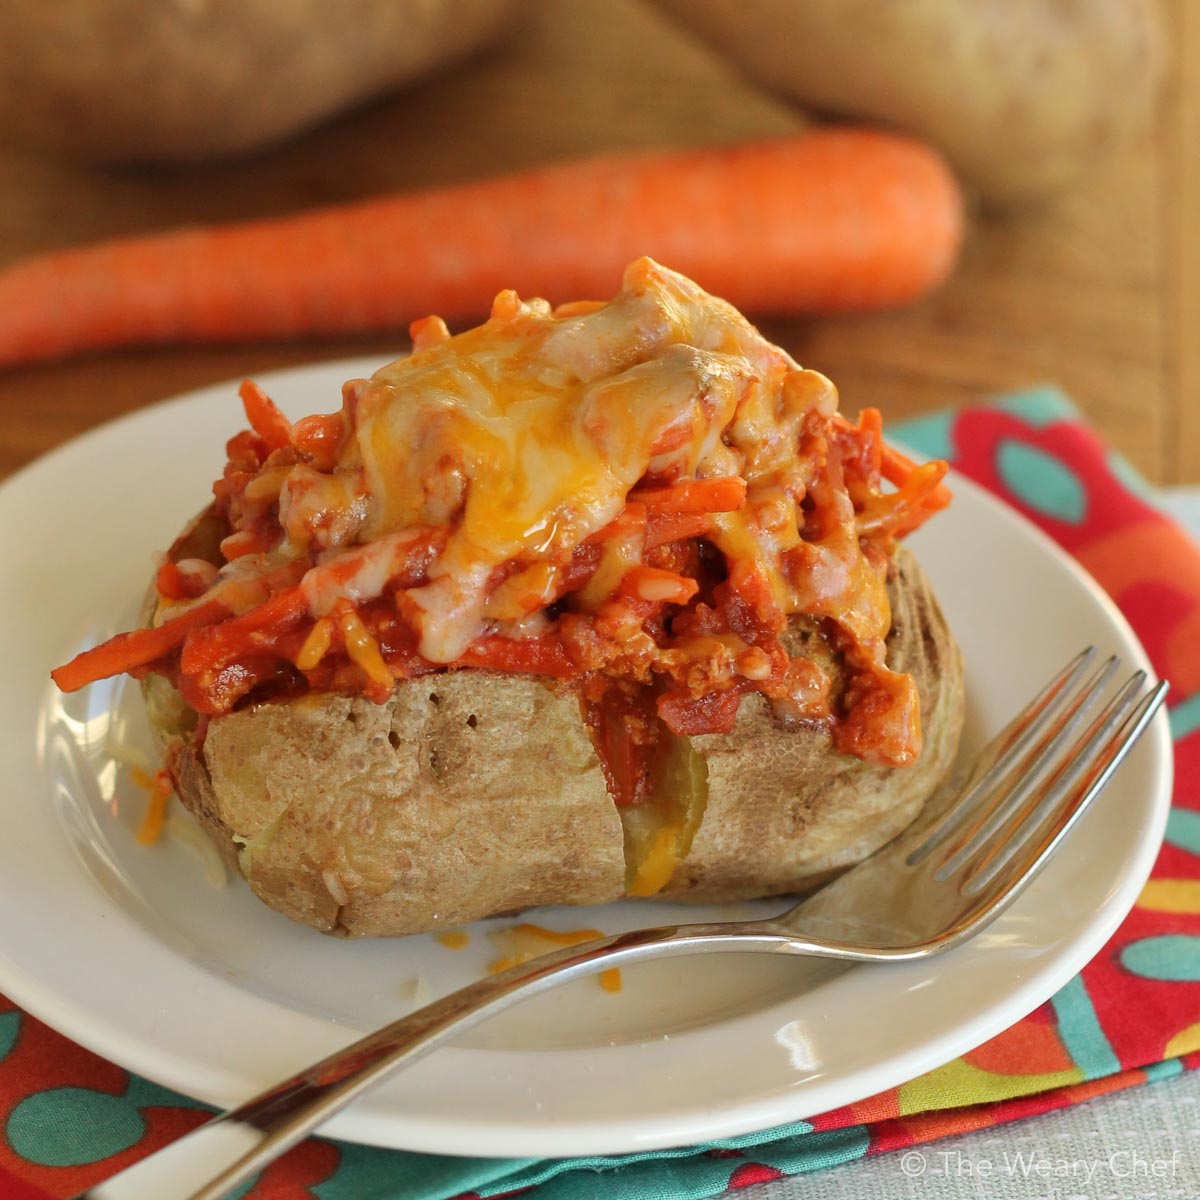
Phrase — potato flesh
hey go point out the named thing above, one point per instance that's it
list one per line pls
(659, 833)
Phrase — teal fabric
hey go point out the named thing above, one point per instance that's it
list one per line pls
(66, 1126)
(687, 1173)
(10, 1026)
(1081, 1032)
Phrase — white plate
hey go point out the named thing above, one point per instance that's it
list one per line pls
(131, 952)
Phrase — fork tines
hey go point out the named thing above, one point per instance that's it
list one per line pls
(1039, 776)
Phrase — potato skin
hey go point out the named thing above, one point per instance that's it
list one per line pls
(174, 81)
(471, 794)
(785, 813)
(466, 794)
(1023, 96)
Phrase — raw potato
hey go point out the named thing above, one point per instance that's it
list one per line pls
(1022, 96)
(471, 794)
(161, 81)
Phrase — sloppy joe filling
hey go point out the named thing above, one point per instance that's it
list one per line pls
(632, 500)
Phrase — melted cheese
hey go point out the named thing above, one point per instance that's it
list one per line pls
(523, 437)
(524, 942)
(657, 865)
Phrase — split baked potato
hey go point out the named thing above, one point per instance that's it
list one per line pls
(584, 603)
(473, 793)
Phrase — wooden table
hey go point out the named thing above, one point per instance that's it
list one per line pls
(1100, 294)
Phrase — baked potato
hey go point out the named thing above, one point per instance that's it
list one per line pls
(473, 793)
(583, 603)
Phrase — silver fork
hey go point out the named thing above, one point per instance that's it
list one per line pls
(978, 843)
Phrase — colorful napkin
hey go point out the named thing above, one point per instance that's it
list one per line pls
(68, 1119)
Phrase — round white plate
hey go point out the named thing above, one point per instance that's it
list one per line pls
(130, 951)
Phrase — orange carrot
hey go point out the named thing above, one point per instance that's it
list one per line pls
(536, 655)
(838, 219)
(674, 526)
(137, 649)
(900, 512)
(899, 468)
(211, 648)
(158, 791)
(693, 496)
(264, 416)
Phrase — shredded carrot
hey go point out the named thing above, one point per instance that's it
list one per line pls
(693, 496)
(127, 651)
(870, 427)
(211, 648)
(902, 511)
(159, 790)
(896, 467)
(834, 219)
(674, 527)
(264, 416)
(535, 656)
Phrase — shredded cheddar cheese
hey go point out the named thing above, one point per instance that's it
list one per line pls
(524, 942)
(364, 650)
(316, 645)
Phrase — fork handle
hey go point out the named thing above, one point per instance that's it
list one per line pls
(228, 1150)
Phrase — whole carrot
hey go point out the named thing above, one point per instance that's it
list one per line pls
(834, 220)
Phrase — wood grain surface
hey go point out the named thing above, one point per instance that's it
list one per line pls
(1181, 152)
(1099, 294)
